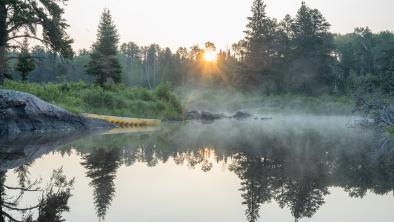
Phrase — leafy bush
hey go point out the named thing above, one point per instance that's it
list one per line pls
(164, 93)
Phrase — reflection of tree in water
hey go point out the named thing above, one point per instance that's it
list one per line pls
(299, 178)
(22, 173)
(263, 180)
(305, 185)
(367, 169)
(255, 185)
(101, 165)
(303, 195)
(53, 198)
(296, 172)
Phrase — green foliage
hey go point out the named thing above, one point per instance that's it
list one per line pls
(80, 97)
(292, 56)
(164, 93)
(298, 55)
(259, 46)
(104, 63)
(311, 67)
(25, 62)
(33, 17)
(365, 55)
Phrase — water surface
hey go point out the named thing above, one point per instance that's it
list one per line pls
(289, 168)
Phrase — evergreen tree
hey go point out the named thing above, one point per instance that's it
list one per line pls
(104, 63)
(260, 35)
(312, 63)
(25, 62)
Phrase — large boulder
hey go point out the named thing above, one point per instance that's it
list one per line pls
(22, 112)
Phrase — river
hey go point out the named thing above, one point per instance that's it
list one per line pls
(305, 168)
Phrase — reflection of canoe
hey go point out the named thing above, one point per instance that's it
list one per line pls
(132, 130)
(124, 121)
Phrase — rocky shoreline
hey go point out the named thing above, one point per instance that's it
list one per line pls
(23, 113)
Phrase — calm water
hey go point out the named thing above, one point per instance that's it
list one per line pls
(284, 169)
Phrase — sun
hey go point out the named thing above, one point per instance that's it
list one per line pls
(210, 56)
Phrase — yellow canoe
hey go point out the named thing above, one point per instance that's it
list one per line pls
(125, 121)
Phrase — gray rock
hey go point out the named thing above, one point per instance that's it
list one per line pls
(193, 115)
(23, 112)
(211, 116)
(242, 115)
(208, 116)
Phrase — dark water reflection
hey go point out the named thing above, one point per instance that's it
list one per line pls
(293, 162)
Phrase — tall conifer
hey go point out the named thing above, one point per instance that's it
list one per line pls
(104, 63)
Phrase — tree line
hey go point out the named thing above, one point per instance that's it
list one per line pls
(298, 55)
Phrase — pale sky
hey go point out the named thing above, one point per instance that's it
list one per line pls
(174, 23)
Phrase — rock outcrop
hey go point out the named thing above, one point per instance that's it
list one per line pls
(22, 112)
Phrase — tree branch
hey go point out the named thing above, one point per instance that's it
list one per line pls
(29, 36)
(23, 189)
(22, 209)
(9, 217)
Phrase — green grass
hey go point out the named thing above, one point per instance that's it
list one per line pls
(119, 100)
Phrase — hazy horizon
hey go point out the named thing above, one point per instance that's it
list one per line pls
(176, 23)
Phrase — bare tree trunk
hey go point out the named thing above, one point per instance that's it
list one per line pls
(3, 41)
(154, 70)
(147, 70)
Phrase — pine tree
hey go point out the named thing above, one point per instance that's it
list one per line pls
(259, 38)
(25, 63)
(311, 30)
(311, 72)
(104, 63)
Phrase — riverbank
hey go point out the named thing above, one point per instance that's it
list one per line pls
(231, 100)
(120, 100)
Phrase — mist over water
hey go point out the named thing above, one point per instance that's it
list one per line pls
(285, 168)
(228, 101)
